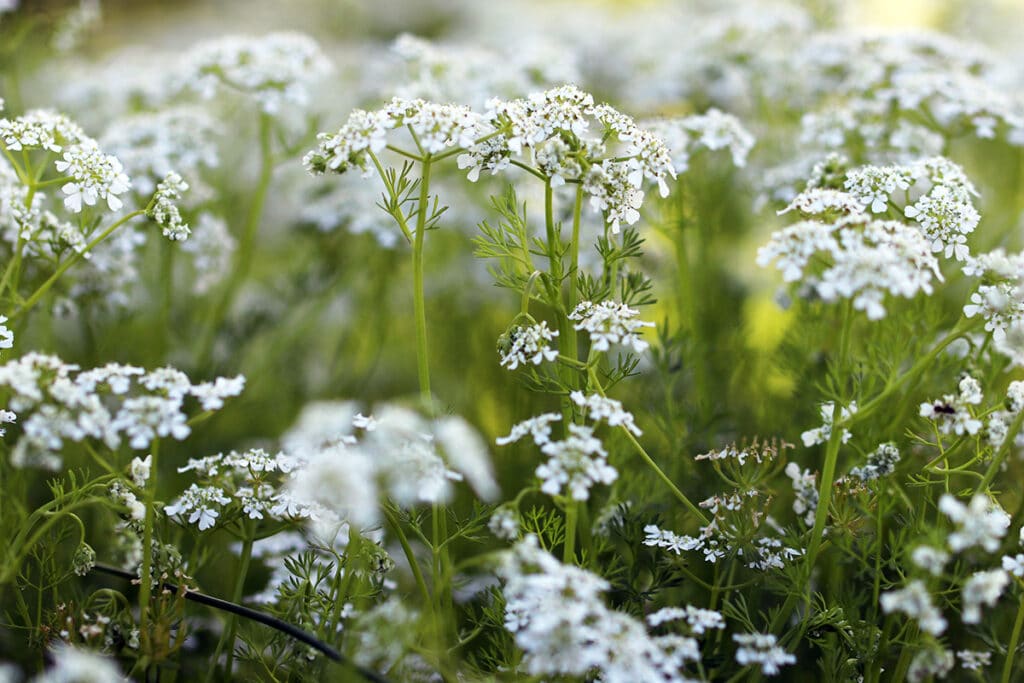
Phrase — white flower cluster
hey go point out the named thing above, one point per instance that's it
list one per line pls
(881, 463)
(713, 130)
(211, 246)
(73, 665)
(974, 660)
(761, 649)
(94, 176)
(575, 464)
(565, 133)
(398, 453)
(527, 345)
(115, 403)
(248, 479)
(1000, 300)
(504, 522)
(824, 203)
(40, 129)
(539, 428)
(610, 323)
(153, 144)
(558, 618)
(348, 202)
(275, 70)
(1015, 564)
(91, 174)
(864, 259)
(607, 410)
(982, 588)
(164, 208)
(982, 522)
(472, 74)
(557, 127)
(765, 553)
(932, 560)
(820, 435)
(436, 126)
(943, 209)
(931, 663)
(6, 335)
(952, 413)
(915, 601)
(805, 492)
(698, 619)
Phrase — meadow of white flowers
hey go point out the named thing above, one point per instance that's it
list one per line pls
(521, 341)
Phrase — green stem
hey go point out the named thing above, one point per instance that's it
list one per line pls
(227, 639)
(828, 474)
(1011, 649)
(963, 327)
(63, 267)
(410, 557)
(1004, 450)
(571, 515)
(419, 302)
(146, 575)
(680, 496)
(246, 246)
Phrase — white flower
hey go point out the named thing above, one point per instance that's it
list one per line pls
(94, 176)
(973, 660)
(211, 395)
(164, 209)
(140, 469)
(700, 620)
(40, 129)
(575, 464)
(761, 648)
(607, 410)
(201, 503)
(881, 462)
(558, 618)
(952, 412)
(1014, 565)
(274, 70)
(74, 665)
(527, 345)
(537, 427)
(981, 523)
(805, 492)
(6, 335)
(610, 323)
(915, 601)
(982, 588)
(504, 523)
(820, 435)
(466, 452)
(933, 560)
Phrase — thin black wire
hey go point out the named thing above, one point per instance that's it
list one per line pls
(255, 615)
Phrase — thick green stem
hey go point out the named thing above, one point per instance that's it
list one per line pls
(1011, 649)
(419, 301)
(572, 509)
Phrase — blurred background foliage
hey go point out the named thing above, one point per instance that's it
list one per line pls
(328, 314)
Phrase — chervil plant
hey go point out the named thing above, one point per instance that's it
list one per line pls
(631, 344)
